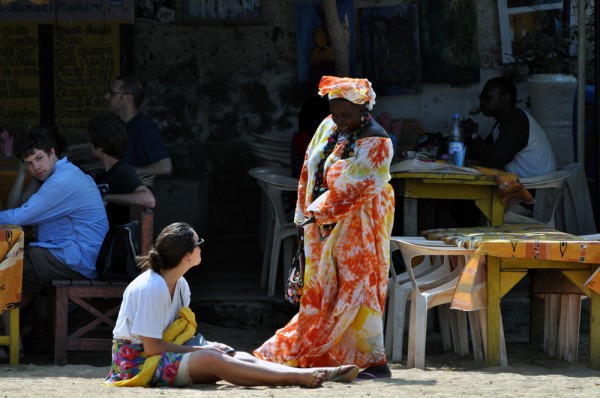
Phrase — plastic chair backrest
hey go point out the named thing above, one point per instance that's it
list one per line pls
(272, 158)
(273, 186)
(549, 189)
(410, 250)
(550, 180)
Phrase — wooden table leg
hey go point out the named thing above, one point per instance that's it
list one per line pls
(14, 337)
(493, 311)
(410, 216)
(595, 331)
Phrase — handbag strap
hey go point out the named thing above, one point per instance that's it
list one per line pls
(300, 237)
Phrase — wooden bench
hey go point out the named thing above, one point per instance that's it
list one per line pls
(100, 298)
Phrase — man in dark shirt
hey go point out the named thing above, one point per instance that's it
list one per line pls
(146, 151)
(119, 184)
(517, 143)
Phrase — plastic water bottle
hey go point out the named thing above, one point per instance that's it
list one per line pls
(456, 143)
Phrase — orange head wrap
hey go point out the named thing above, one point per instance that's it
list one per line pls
(358, 91)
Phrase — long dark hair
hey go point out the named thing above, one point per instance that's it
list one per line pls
(172, 243)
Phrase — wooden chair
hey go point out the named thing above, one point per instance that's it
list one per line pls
(101, 299)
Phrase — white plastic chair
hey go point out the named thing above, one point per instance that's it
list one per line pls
(272, 142)
(440, 292)
(562, 319)
(546, 202)
(429, 269)
(270, 155)
(266, 217)
(281, 227)
(562, 311)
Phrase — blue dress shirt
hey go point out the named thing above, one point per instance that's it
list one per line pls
(69, 215)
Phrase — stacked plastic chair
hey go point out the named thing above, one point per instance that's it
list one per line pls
(280, 226)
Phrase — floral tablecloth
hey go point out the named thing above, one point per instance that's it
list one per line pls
(509, 241)
(11, 266)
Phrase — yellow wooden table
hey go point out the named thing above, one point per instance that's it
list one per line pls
(503, 257)
(482, 189)
(11, 278)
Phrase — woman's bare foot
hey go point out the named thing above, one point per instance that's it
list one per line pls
(314, 379)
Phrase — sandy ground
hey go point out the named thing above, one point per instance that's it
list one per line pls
(530, 373)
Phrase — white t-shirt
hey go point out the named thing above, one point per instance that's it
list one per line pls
(147, 308)
(537, 158)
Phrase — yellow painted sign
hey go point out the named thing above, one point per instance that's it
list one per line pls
(86, 59)
(19, 75)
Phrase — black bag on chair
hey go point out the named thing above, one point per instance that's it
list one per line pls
(295, 281)
(117, 257)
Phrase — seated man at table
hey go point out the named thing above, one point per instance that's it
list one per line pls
(66, 211)
(517, 143)
(146, 151)
(119, 185)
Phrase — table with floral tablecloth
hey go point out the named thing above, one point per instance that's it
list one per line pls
(504, 255)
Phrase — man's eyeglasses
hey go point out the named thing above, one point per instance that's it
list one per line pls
(199, 244)
(109, 91)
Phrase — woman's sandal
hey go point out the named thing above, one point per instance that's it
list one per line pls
(342, 374)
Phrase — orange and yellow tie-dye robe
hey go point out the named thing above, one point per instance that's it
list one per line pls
(340, 316)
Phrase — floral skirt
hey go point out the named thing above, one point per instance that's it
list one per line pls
(128, 359)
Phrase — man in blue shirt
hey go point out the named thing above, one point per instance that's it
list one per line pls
(66, 211)
(146, 152)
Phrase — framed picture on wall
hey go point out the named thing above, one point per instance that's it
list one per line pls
(449, 40)
(391, 58)
(520, 17)
(314, 50)
(224, 11)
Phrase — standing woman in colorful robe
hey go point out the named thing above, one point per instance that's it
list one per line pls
(346, 207)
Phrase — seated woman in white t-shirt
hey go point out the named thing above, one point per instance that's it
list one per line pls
(152, 303)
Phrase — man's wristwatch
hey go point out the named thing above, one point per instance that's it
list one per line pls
(474, 136)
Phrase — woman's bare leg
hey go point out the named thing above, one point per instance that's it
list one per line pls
(207, 367)
(244, 356)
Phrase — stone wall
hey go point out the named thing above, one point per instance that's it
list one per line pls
(210, 86)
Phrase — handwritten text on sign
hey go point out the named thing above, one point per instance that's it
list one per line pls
(86, 59)
(19, 75)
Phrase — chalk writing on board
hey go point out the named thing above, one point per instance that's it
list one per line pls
(67, 10)
(86, 59)
(19, 75)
